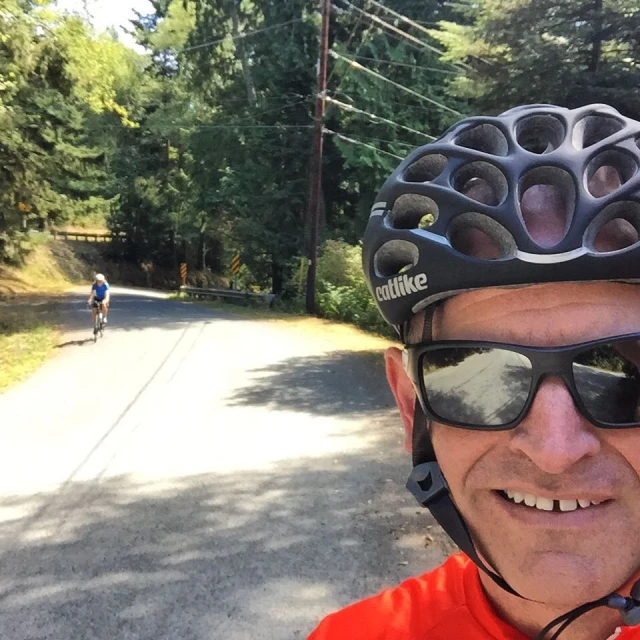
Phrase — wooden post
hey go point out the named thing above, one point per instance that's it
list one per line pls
(316, 159)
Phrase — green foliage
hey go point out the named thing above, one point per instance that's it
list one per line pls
(339, 264)
(342, 290)
(563, 52)
(50, 169)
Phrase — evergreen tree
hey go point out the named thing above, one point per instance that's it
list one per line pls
(567, 52)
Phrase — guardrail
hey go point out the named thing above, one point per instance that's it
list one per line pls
(83, 236)
(215, 294)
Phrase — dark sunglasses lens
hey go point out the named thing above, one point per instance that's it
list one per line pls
(608, 381)
(477, 387)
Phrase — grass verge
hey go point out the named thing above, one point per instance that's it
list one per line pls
(26, 341)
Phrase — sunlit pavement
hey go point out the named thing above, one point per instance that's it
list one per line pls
(197, 474)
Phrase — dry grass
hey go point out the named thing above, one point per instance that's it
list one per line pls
(26, 341)
(341, 335)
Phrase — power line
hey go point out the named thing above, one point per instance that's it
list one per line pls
(402, 144)
(252, 126)
(348, 107)
(242, 35)
(346, 46)
(288, 105)
(390, 27)
(284, 97)
(359, 67)
(196, 127)
(362, 144)
(404, 18)
(420, 107)
(405, 64)
(365, 36)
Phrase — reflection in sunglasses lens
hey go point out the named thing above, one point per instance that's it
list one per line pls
(608, 381)
(476, 386)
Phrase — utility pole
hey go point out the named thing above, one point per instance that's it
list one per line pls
(316, 159)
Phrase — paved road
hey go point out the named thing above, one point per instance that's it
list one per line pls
(199, 475)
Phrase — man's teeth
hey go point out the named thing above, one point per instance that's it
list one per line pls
(546, 504)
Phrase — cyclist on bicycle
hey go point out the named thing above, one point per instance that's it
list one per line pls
(506, 254)
(101, 294)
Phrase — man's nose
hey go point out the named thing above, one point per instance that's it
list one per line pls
(554, 435)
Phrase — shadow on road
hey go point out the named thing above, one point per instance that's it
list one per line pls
(74, 343)
(209, 556)
(341, 382)
(133, 312)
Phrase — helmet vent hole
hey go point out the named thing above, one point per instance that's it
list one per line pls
(413, 211)
(395, 257)
(426, 169)
(593, 129)
(547, 203)
(609, 171)
(486, 138)
(482, 182)
(615, 228)
(479, 236)
(540, 134)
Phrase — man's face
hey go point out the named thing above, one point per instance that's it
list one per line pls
(555, 452)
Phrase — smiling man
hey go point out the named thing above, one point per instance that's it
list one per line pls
(519, 385)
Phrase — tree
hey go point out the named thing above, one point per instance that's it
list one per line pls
(567, 52)
(354, 172)
(50, 169)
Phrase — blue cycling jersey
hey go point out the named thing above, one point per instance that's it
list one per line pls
(101, 290)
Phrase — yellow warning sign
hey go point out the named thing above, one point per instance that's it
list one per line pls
(235, 265)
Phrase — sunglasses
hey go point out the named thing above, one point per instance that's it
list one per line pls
(490, 386)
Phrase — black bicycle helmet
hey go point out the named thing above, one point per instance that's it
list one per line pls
(414, 247)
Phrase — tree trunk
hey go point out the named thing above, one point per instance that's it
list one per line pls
(246, 70)
(596, 48)
(174, 248)
(201, 252)
(277, 277)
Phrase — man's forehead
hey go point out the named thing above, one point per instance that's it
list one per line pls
(547, 314)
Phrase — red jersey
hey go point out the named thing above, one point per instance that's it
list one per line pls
(448, 603)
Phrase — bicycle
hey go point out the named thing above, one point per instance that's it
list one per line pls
(98, 325)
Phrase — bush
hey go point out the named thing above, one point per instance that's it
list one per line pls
(342, 289)
(340, 265)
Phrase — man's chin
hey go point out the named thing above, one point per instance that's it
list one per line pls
(559, 579)
(554, 561)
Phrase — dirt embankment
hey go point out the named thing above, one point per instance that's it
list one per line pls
(52, 267)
